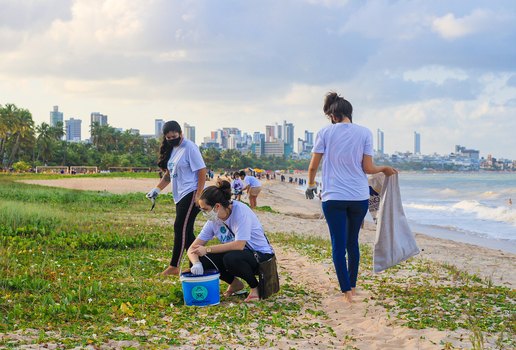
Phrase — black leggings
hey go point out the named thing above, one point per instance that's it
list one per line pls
(186, 211)
(235, 263)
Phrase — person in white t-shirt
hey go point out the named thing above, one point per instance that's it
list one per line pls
(183, 166)
(239, 233)
(253, 186)
(346, 150)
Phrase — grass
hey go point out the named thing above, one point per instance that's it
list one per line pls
(78, 268)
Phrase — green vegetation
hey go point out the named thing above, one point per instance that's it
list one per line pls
(78, 268)
(424, 294)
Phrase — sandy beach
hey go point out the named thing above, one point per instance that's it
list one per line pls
(370, 326)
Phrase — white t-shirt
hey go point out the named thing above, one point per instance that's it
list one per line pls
(344, 146)
(245, 226)
(183, 165)
(252, 181)
(237, 185)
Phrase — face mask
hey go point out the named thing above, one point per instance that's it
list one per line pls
(211, 215)
(174, 142)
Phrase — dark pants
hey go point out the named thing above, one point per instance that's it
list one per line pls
(344, 219)
(186, 211)
(235, 263)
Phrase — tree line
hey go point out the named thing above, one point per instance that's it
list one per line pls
(24, 142)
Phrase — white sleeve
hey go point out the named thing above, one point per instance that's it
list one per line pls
(207, 232)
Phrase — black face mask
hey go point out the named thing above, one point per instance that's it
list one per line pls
(174, 142)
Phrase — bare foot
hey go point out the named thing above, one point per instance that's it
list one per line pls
(348, 297)
(170, 271)
(353, 291)
(253, 296)
(234, 287)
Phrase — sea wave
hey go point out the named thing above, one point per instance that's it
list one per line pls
(426, 206)
(500, 213)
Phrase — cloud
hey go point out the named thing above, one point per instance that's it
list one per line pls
(435, 74)
(450, 27)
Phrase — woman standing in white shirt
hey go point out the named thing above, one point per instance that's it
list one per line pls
(348, 156)
(184, 167)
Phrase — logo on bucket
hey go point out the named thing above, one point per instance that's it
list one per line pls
(199, 293)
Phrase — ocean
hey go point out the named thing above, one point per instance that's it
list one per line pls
(466, 207)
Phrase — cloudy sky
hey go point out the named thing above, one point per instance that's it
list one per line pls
(446, 69)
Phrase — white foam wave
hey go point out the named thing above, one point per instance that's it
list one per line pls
(448, 192)
(426, 206)
(504, 214)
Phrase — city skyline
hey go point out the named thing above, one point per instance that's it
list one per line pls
(189, 132)
(445, 69)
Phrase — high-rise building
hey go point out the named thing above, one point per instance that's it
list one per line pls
(279, 132)
(270, 134)
(56, 116)
(99, 118)
(288, 135)
(379, 142)
(309, 137)
(73, 130)
(158, 127)
(417, 143)
(189, 132)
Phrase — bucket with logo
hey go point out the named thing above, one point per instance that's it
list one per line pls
(201, 290)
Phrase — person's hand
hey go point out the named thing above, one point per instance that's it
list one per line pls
(197, 268)
(197, 197)
(199, 250)
(310, 192)
(390, 171)
(153, 194)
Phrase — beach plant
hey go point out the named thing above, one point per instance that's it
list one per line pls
(77, 269)
(421, 293)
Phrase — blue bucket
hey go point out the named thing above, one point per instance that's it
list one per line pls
(201, 290)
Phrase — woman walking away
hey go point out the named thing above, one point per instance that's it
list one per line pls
(240, 235)
(347, 153)
(183, 165)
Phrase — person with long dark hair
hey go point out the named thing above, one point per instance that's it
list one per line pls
(348, 156)
(183, 166)
(240, 235)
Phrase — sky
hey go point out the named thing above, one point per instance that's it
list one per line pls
(446, 69)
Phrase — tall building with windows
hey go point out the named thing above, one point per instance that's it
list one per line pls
(56, 116)
(270, 133)
(288, 132)
(158, 127)
(189, 132)
(73, 130)
(379, 142)
(417, 143)
(99, 118)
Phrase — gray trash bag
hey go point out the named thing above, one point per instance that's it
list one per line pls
(395, 241)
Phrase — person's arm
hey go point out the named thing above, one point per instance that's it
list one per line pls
(201, 250)
(165, 180)
(200, 184)
(193, 256)
(312, 168)
(370, 168)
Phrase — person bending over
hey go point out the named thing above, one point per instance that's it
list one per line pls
(239, 233)
(253, 186)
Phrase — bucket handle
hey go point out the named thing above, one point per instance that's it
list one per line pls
(207, 257)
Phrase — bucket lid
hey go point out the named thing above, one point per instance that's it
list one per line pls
(206, 273)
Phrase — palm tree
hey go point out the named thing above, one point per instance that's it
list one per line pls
(19, 126)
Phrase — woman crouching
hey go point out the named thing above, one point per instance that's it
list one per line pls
(239, 232)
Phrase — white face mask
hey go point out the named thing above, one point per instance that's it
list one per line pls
(211, 215)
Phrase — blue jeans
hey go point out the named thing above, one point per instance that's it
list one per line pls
(344, 220)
